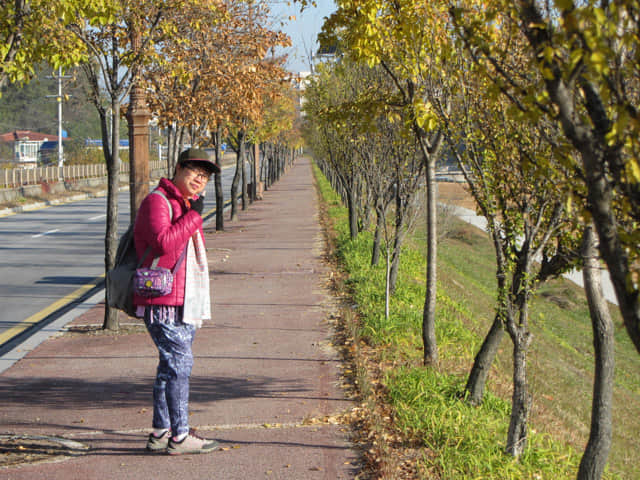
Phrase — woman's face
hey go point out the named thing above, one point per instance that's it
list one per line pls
(190, 180)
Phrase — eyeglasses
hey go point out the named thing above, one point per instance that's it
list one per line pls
(200, 175)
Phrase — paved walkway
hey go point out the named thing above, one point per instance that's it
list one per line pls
(265, 374)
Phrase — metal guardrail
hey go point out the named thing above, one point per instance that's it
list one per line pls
(18, 177)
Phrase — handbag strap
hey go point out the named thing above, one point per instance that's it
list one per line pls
(181, 259)
(144, 255)
(154, 264)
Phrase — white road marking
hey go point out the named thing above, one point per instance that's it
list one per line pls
(97, 217)
(45, 233)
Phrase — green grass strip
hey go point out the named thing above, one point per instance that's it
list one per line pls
(459, 441)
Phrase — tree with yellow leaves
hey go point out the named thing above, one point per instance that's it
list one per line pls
(32, 31)
(587, 56)
(581, 73)
(533, 236)
(219, 79)
(116, 53)
(410, 41)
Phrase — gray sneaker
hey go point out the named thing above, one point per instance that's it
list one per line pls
(191, 444)
(158, 444)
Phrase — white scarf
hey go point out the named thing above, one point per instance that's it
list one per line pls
(197, 303)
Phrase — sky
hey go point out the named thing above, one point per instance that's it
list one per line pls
(303, 30)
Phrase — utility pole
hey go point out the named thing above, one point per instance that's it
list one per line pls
(59, 99)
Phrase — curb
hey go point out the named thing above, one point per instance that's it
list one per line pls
(56, 201)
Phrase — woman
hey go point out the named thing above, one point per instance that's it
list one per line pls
(172, 228)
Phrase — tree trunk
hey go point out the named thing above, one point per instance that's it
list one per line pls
(253, 173)
(179, 147)
(177, 150)
(235, 182)
(482, 363)
(263, 166)
(353, 213)
(270, 170)
(110, 321)
(612, 251)
(282, 161)
(171, 146)
(174, 146)
(243, 171)
(274, 164)
(521, 400)
(387, 291)
(218, 181)
(397, 242)
(484, 359)
(597, 450)
(429, 311)
(375, 254)
(234, 189)
(271, 165)
(395, 263)
(366, 217)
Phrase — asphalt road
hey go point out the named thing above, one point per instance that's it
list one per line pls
(51, 257)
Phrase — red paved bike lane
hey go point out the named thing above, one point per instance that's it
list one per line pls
(265, 376)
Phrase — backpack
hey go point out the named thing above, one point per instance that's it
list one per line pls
(119, 280)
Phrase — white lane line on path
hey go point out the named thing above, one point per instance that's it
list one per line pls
(45, 233)
(336, 418)
(97, 217)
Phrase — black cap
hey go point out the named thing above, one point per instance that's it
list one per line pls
(198, 157)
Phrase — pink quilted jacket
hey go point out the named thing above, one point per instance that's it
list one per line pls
(167, 238)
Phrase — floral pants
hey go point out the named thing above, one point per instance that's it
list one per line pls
(171, 389)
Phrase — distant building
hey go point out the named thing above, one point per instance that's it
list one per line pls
(300, 82)
(27, 144)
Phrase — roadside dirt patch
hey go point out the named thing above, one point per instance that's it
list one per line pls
(456, 194)
(96, 330)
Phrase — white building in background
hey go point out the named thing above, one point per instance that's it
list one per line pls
(27, 145)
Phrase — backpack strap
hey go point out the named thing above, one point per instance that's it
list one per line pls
(158, 192)
(157, 259)
(148, 249)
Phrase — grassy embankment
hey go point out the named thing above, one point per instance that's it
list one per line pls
(453, 439)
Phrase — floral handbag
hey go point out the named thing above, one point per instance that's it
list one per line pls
(155, 281)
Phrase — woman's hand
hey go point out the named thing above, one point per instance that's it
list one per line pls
(198, 204)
